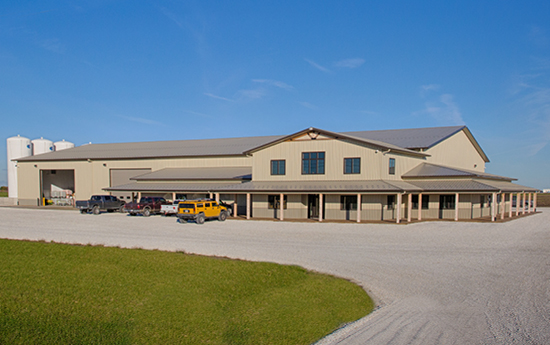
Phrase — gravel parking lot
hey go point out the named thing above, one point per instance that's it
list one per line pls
(434, 282)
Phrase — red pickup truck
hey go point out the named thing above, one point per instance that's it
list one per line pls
(146, 206)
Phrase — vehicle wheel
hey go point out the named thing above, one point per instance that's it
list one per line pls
(83, 211)
(200, 219)
(146, 212)
(121, 209)
(222, 216)
(95, 210)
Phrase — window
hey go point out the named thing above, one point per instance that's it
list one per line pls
(348, 202)
(274, 202)
(313, 163)
(278, 167)
(392, 166)
(352, 165)
(391, 202)
(447, 202)
(425, 202)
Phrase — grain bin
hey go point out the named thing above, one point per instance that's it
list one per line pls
(63, 145)
(41, 145)
(18, 147)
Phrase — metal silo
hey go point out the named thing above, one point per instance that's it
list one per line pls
(18, 147)
(41, 145)
(63, 145)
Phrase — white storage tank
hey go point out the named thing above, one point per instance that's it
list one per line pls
(18, 147)
(63, 145)
(41, 145)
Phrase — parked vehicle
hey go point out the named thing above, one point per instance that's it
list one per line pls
(200, 210)
(170, 209)
(146, 206)
(98, 203)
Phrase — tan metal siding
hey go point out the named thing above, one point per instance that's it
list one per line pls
(457, 151)
(374, 163)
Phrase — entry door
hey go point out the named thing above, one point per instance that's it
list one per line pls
(313, 206)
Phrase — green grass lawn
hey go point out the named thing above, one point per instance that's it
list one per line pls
(54, 293)
(3, 194)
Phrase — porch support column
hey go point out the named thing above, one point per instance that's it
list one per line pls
(281, 206)
(456, 207)
(523, 206)
(217, 197)
(502, 205)
(493, 204)
(398, 213)
(535, 202)
(320, 207)
(518, 200)
(409, 208)
(420, 206)
(359, 208)
(247, 205)
(173, 196)
(139, 196)
(235, 205)
(210, 195)
(529, 204)
(510, 211)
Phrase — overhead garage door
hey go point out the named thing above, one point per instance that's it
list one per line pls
(122, 176)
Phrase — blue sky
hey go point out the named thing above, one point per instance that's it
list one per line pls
(121, 71)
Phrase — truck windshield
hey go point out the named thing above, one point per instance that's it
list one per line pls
(182, 205)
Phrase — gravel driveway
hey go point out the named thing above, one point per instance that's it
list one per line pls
(434, 282)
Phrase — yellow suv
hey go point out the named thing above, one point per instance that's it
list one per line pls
(200, 210)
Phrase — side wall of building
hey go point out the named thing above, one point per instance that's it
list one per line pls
(457, 151)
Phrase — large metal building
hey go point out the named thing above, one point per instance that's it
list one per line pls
(399, 175)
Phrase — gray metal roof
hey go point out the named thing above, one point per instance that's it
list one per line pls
(167, 187)
(425, 170)
(401, 140)
(470, 185)
(155, 149)
(217, 173)
(411, 138)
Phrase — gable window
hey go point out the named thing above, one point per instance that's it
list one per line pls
(274, 202)
(352, 165)
(425, 202)
(348, 202)
(392, 166)
(313, 163)
(278, 167)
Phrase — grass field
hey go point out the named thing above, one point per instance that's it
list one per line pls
(53, 293)
(543, 200)
(3, 194)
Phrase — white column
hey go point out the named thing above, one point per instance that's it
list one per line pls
(518, 199)
(398, 214)
(535, 202)
(502, 205)
(281, 206)
(409, 208)
(420, 206)
(456, 207)
(523, 206)
(510, 211)
(529, 204)
(359, 208)
(139, 196)
(173, 196)
(493, 202)
(247, 205)
(320, 207)
(210, 195)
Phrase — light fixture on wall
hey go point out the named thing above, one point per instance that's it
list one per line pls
(104, 164)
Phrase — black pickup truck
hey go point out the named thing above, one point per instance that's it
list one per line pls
(99, 203)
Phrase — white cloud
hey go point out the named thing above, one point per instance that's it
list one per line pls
(445, 111)
(218, 97)
(308, 105)
(350, 63)
(53, 45)
(275, 83)
(141, 120)
(426, 89)
(316, 65)
(253, 94)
